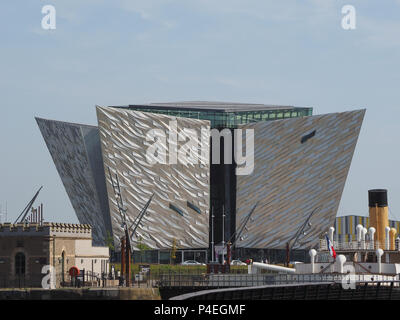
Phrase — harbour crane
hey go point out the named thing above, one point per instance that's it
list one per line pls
(129, 232)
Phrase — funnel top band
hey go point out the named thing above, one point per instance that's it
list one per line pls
(377, 197)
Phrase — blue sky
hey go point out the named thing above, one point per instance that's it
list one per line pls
(125, 52)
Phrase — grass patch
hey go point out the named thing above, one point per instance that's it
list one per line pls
(156, 269)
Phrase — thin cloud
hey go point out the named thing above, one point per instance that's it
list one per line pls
(149, 10)
(379, 33)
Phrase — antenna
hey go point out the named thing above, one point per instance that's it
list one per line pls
(3, 213)
(25, 211)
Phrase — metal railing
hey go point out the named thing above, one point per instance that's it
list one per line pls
(179, 280)
(23, 280)
(86, 278)
(351, 245)
(367, 290)
(250, 280)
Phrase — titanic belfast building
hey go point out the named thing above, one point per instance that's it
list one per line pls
(251, 174)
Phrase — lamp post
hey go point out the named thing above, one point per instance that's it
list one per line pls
(212, 236)
(223, 233)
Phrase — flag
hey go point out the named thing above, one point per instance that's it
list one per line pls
(332, 251)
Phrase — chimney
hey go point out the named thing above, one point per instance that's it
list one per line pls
(378, 215)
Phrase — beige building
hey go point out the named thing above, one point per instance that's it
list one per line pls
(25, 250)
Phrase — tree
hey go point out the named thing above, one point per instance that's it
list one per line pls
(109, 240)
(142, 247)
(173, 250)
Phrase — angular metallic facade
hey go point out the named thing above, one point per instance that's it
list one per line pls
(180, 207)
(299, 165)
(76, 153)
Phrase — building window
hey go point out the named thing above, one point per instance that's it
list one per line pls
(308, 136)
(192, 206)
(20, 263)
(176, 209)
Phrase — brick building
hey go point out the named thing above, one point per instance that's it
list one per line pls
(26, 248)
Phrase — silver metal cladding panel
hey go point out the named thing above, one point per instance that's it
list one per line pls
(290, 178)
(75, 152)
(123, 135)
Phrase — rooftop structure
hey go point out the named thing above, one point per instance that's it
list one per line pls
(223, 114)
(47, 228)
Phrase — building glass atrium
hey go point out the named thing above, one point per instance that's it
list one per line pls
(224, 115)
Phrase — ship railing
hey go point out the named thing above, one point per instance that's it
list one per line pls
(350, 245)
(250, 280)
(345, 279)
